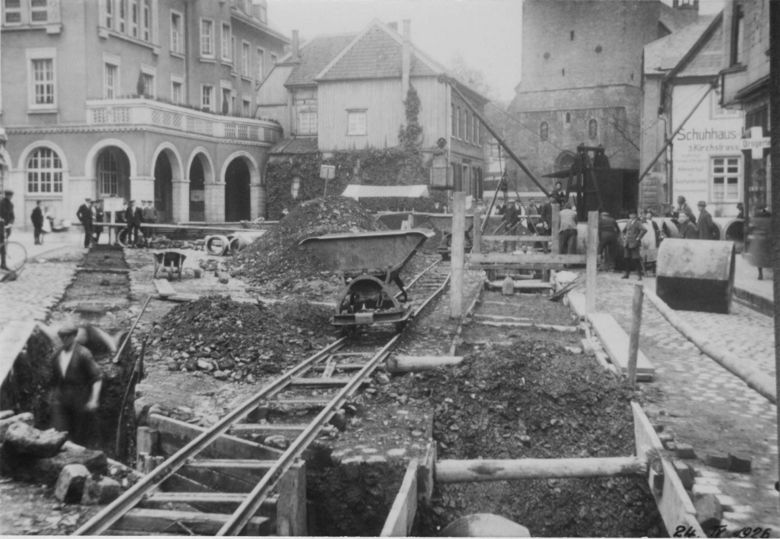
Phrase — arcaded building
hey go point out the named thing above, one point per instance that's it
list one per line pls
(140, 99)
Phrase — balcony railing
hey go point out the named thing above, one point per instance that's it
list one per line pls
(146, 112)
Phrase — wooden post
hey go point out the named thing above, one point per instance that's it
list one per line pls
(457, 256)
(476, 231)
(591, 261)
(291, 507)
(555, 228)
(636, 323)
(146, 441)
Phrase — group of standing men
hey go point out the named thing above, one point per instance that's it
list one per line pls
(90, 215)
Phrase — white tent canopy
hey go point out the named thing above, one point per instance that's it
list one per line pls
(386, 191)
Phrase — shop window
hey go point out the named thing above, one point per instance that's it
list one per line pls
(725, 173)
(544, 131)
(44, 171)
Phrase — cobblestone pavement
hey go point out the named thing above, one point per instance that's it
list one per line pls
(702, 404)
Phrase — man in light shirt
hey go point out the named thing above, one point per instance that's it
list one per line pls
(568, 233)
(77, 383)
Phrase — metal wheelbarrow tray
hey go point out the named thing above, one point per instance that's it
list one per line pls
(369, 262)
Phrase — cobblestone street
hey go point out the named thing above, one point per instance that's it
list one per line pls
(702, 404)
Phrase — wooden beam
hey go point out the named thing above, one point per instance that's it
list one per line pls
(401, 363)
(249, 464)
(175, 434)
(319, 382)
(521, 238)
(155, 521)
(466, 471)
(146, 441)
(499, 317)
(401, 516)
(164, 288)
(591, 262)
(615, 341)
(673, 503)
(530, 284)
(525, 258)
(291, 507)
(533, 325)
(457, 254)
(266, 429)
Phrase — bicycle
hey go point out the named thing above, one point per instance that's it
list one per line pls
(15, 255)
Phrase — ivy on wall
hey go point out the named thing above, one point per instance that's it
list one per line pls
(401, 165)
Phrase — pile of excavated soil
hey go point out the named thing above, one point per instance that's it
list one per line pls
(276, 263)
(239, 341)
(537, 399)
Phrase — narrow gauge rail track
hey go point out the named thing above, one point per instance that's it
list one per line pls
(340, 367)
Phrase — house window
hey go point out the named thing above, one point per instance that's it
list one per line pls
(12, 11)
(177, 92)
(246, 108)
(737, 34)
(148, 81)
(122, 15)
(206, 37)
(111, 80)
(39, 11)
(146, 20)
(356, 122)
(226, 41)
(226, 101)
(108, 9)
(307, 122)
(44, 171)
(43, 82)
(273, 59)
(568, 118)
(245, 58)
(207, 97)
(476, 131)
(544, 131)
(593, 129)
(456, 128)
(726, 172)
(469, 126)
(108, 174)
(454, 120)
(462, 128)
(177, 43)
(260, 64)
(134, 18)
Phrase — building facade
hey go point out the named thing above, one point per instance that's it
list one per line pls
(151, 100)
(342, 93)
(582, 76)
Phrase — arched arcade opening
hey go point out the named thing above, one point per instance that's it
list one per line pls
(237, 191)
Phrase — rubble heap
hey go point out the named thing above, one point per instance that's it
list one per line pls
(275, 262)
(239, 341)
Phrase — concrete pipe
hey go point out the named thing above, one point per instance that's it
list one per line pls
(696, 275)
(484, 525)
(217, 245)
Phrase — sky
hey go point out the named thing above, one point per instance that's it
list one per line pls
(486, 34)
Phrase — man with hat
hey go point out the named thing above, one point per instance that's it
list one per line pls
(7, 212)
(84, 214)
(707, 229)
(133, 218)
(77, 383)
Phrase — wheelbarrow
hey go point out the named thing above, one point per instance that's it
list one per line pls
(171, 261)
(369, 262)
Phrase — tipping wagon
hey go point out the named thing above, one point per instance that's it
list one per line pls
(371, 264)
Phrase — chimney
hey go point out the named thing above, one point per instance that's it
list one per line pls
(406, 58)
(296, 53)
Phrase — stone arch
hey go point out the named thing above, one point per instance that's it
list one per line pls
(200, 176)
(90, 163)
(254, 169)
(208, 164)
(166, 168)
(239, 175)
(173, 156)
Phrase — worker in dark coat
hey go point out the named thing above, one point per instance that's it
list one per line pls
(708, 230)
(687, 229)
(77, 383)
(7, 211)
(98, 217)
(683, 207)
(133, 218)
(84, 215)
(559, 195)
(609, 232)
(511, 219)
(632, 242)
(37, 220)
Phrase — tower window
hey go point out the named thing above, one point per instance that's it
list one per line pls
(571, 35)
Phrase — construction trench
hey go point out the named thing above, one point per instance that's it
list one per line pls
(525, 381)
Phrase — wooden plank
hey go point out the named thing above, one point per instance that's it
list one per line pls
(196, 497)
(477, 470)
(291, 507)
(401, 517)
(524, 238)
(146, 440)
(592, 248)
(250, 464)
(534, 284)
(183, 522)
(500, 317)
(615, 342)
(577, 303)
(673, 503)
(319, 382)
(175, 434)
(266, 429)
(525, 258)
(164, 288)
(402, 363)
(13, 339)
(528, 325)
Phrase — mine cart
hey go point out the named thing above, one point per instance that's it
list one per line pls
(369, 261)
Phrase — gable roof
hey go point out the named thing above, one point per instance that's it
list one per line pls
(315, 54)
(663, 54)
(377, 53)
